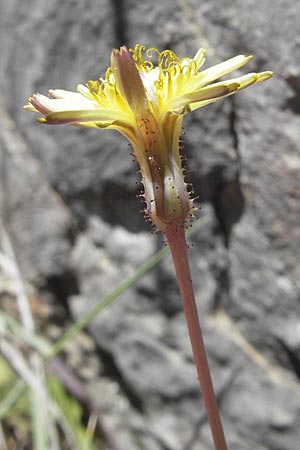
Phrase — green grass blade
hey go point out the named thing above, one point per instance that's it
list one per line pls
(39, 430)
(12, 397)
(69, 414)
(35, 341)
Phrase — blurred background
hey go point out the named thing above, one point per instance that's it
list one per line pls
(71, 231)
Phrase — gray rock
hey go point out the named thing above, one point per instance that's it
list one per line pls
(80, 224)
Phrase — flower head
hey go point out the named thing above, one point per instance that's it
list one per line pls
(146, 102)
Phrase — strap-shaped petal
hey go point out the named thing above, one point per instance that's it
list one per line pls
(248, 79)
(219, 70)
(76, 117)
(263, 76)
(45, 105)
(67, 95)
(242, 82)
(212, 92)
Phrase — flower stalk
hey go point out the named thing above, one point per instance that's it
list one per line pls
(176, 239)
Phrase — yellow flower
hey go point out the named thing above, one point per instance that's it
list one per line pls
(146, 102)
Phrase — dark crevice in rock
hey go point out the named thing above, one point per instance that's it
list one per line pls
(175, 399)
(112, 372)
(167, 297)
(228, 204)
(115, 205)
(221, 273)
(293, 103)
(292, 357)
(234, 133)
(126, 208)
(73, 232)
(228, 200)
(119, 22)
(62, 287)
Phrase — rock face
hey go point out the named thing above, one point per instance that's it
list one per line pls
(68, 201)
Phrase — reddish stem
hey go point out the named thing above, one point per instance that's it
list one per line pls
(177, 243)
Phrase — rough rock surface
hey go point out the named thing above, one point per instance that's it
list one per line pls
(68, 200)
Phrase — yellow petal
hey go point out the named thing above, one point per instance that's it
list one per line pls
(219, 70)
(30, 107)
(212, 92)
(45, 105)
(263, 76)
(62, 94)
(106, 116)
(239, 82)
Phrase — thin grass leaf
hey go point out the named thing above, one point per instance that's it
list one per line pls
(12, 397)
(39, 429)
(36, 341)
(16, 360)
(69, 413)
